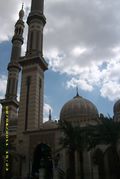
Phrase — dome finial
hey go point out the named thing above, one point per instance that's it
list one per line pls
(22, 5)
(77, 93)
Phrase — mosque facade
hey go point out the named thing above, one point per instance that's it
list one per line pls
(30, 136)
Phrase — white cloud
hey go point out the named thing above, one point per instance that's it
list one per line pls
(80, 83)
(77, 51)
(111, 90)
(95, 26)
(1, 97)
(3, 82)
(47, 107)
(81, 39)
(8, 14)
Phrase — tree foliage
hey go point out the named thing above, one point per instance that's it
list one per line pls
(106, 132)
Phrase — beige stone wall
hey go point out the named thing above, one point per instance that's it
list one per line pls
(35, 106)
(35, 110)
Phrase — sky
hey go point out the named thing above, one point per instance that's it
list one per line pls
(81, 46)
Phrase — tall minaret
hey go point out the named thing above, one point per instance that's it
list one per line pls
(13, 72)
(36, 21)
(33, 66)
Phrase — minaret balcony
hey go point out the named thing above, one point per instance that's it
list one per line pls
(27, 60)
(8, 102)
(36, 15)
(14, 65)
(17, 38)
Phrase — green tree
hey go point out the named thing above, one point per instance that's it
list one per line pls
(107, 131)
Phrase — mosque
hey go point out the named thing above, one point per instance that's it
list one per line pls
(29, 136)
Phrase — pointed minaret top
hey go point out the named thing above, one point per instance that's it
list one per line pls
(77, 93)
(50, 116)
(37, 5)
(21, 13)
(22, 5)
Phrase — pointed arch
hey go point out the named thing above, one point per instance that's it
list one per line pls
(42, 158)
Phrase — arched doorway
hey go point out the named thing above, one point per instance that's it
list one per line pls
(42, 159)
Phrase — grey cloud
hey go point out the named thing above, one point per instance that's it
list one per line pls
(90, 24)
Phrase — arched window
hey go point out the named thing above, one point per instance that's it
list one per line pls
(42, 159)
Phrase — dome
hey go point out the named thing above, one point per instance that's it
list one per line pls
(79, 109)
(116, 107)
(50, 124)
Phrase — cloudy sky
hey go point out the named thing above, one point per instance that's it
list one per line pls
(81, 45)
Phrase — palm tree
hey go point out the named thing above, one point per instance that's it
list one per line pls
(73, 140)
(67, 141)
(80, 146)
(107, 132)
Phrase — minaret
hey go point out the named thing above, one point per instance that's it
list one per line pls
(33, 66)
(50, 116)
(36, 21)
(13, 72)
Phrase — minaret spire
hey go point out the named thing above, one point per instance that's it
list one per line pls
(33, 67)
(22, 5)
(36, 22)
(13, 72)
(17, 42)
(21, 13)
(37, 5)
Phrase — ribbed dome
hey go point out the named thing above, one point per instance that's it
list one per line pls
(116, 107)
(79, 109)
